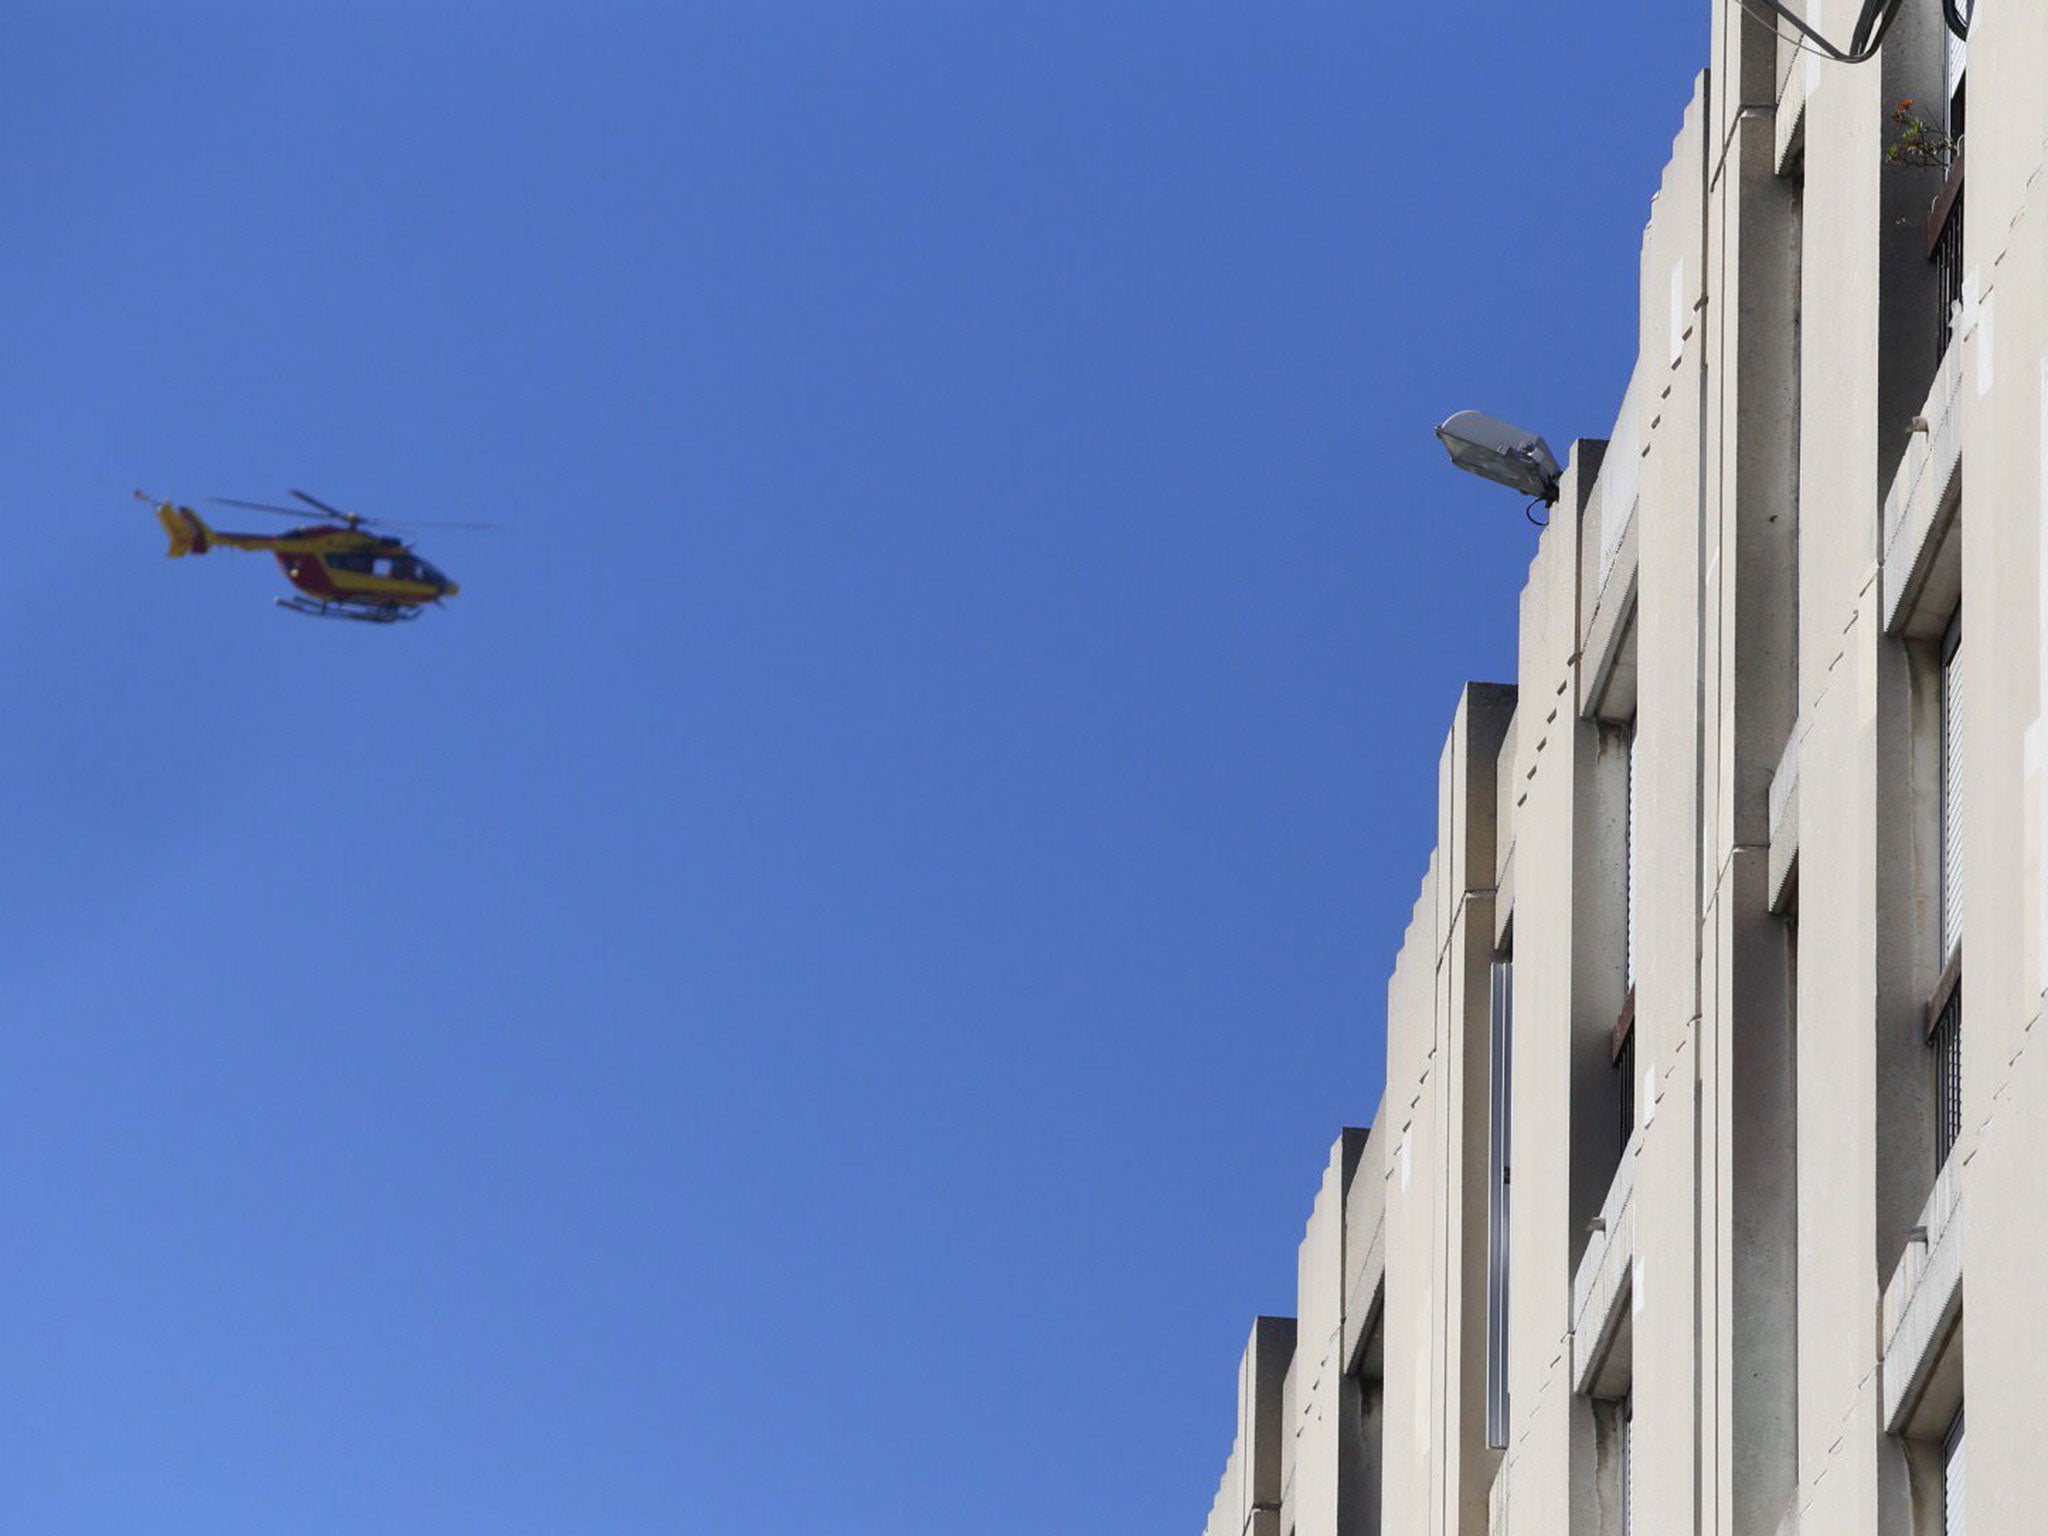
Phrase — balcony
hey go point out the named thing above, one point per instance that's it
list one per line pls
(1605, 1278)
(1365, 1257)
(1621, 477)
(1919, 506)
(1606, 651)
(1923, 1300)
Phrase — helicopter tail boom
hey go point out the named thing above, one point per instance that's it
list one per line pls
(188, 531)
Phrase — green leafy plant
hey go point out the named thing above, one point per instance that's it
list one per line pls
(1920, 142)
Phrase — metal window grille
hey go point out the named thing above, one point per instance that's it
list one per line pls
(1946, 1041)
(1948, 274)
(1501, 1130)
(1625, 1064)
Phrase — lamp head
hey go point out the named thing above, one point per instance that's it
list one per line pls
(1481, 445)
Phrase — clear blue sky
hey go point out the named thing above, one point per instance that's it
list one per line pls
(813, 997)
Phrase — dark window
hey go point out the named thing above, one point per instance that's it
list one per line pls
(1625, 1072)
(1500, 1139)
(1624, 1045)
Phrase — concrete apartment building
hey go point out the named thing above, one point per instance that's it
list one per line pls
(1704, 1195)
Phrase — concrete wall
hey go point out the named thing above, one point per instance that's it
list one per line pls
(1766, 1261)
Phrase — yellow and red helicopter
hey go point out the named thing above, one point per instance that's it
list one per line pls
(341, 571)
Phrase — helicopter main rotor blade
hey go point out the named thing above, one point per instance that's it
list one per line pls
(259, 506)
(351, 518)
(314, 501)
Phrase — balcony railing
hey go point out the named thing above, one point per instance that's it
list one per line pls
(1920, 488)
(1931, 454)
(1621, 474)
(1784, 794)
(1921, 1297)
(1605, 1270)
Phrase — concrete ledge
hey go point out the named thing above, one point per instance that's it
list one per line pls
(1601, 1289)
(1365, 1250)
(1607, 568)
(1619, 485)
(1607, 654)
(1922, 1302)
(1365, 1296)
(1919, 586)
(1790, 139)
(1504, 901)
(1784, 815)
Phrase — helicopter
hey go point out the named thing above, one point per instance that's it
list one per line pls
(341, 571)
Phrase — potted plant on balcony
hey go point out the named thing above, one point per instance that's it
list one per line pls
(1920, 143)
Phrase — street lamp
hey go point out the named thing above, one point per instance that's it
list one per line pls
(1481, 445)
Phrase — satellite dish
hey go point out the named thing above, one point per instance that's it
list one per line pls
(1506, 455)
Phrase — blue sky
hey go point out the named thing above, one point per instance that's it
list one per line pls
(814, 995)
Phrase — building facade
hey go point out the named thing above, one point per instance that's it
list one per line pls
(1704, 1195)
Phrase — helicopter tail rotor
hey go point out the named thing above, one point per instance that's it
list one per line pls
(189, 533)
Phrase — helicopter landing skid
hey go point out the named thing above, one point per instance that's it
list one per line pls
(361, 613)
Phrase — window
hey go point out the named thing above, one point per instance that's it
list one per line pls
(1623, 1050)
(1952, 789)
(1946, 1041)
(1952, 1479)
(1947, 255)
(1629, 856)
(1945, 223)
(1500, 1117)
(1627, 1417)
(1625, 1073)
(1956, 55)
(1945, 1009)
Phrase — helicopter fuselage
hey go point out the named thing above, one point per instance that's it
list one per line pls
(346, 572)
